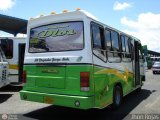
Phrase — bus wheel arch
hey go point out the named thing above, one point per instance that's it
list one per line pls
(117, 95)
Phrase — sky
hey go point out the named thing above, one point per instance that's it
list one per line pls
(140, 18)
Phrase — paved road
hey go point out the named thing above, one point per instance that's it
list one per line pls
(145, 102)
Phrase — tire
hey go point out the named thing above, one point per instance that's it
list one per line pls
(153, 72)
(117, 96)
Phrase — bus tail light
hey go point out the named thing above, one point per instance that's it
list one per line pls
(24, 76)
(84, 81)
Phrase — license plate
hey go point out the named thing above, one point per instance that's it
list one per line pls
(48, 100)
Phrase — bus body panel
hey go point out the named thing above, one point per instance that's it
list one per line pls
(58, 79)
(109, 71)
(107, 76)
(66, 81)
(80, 102)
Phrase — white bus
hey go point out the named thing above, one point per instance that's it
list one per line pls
(14, 48)
(74, 60)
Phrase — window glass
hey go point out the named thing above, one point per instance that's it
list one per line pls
(129, 45)
(107, 40)
(115, 41)
(57, 37)
(114, 53)
(7, 47)
(126, 44)
(97, 33)
(140, 52)
(132, 52)
(126, 48)
(123, 43)
(97, 36)
(157, 64)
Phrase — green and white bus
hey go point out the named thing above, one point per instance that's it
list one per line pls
(73, 60)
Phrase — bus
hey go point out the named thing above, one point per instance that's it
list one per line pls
(150, 61)
(14, 48)
(3, 70)
(74, 60)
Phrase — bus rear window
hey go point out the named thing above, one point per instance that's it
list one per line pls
(57, 37)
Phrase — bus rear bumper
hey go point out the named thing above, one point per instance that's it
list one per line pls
(79, 102)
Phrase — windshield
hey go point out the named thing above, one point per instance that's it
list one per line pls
(57, 37)
(157, 64)
(7, 47)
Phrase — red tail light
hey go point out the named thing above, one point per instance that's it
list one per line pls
(24, 76)
(84, 81)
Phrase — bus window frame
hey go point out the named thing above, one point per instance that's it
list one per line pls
(121, 35)
(141, 56)
(123, 53)
(102, 51)
(107, 29)
(58, 51)
(111, 49)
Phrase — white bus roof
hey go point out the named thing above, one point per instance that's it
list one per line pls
(65, 14)
(34, 22)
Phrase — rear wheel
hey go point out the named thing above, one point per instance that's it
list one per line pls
(117, 96)
(153, 72)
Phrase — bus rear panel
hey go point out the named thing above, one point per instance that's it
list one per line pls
(56, 66)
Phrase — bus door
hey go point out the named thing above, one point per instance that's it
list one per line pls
(21, 50)
(1, 69)
(136, 63)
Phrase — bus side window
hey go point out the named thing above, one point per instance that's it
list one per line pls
(98, 38)
(132, 51)
(123, 49)
(115, 41)
(126, 48)
(107, 40)
(140, 53)
(108, 43)
(113, 51)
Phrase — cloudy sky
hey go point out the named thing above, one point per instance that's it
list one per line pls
(140, 18)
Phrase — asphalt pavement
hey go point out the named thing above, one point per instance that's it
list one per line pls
(145, 102)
